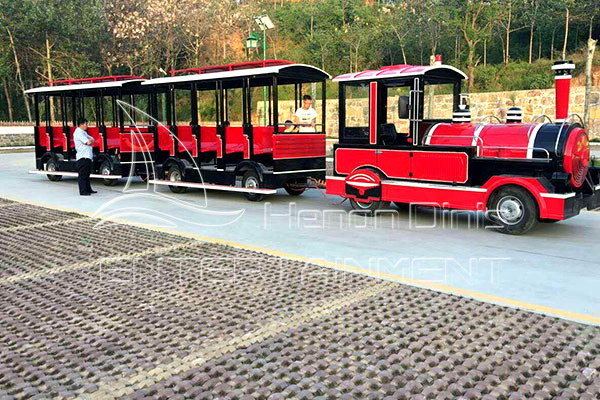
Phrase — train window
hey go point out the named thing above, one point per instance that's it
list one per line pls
(356, 111)
(357, 106)
(438, 101)
(141, 110)
(234, 113)
(207, 108)
(393, 101)
(42, 110)
(286, 103)
(161, 108)
(183, 106)
(257, 105)
(109, 112)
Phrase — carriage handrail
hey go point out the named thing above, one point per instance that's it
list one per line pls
(482, 119)
(476, 138)
(521, 148)
(569, 117)
(535, 121)
(480, 140)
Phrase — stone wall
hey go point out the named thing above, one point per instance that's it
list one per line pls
(533, 103)
(16, 136)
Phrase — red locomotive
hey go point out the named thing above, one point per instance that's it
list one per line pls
(412, 142)
(407, 147)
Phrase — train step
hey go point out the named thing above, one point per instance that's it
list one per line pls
(73, 174)
(212, 186)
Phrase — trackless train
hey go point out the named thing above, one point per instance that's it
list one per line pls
(405, 136)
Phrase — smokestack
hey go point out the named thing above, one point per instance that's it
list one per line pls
(514, 115)
(562, 82)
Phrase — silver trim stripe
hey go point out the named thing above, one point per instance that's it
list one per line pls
(434, 186)
(531, 142)
(557, 195)
(298, 170)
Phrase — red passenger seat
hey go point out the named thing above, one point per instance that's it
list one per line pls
(187, 140)
(60, 139)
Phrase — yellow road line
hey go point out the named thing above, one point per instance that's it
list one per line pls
(504, 301)
(144, 379)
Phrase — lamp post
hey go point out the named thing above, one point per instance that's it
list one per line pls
(264, 23)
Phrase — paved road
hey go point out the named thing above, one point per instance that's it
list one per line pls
(125, 312)
(555, 269)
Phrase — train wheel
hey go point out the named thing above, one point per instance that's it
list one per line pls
(105, 169)
(513, 210)
(295, 189)
(370, 208)
(252, 181)
(52, 165)
(174, 175)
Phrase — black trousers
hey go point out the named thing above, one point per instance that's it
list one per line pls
(84, 168)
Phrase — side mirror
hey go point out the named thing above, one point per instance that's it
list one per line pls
(403, 107)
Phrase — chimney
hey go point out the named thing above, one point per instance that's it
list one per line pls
(562, 82)
(438, 59)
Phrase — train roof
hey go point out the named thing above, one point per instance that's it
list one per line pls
(401, 71)
(288, 72)
(87, 84)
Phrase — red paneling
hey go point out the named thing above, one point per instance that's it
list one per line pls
(440, 166)
(60, 139)
(113, 137)
(44, 137)
(298, 146)
(335, 185)
(236, 141)
(446, 134)
(433, 195)
(373, 113)
(492, 140)
(347, 160)
(549, 207)
(187, 140)
(394, 163)
(263, 139)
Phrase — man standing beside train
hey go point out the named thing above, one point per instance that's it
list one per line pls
(83, 146)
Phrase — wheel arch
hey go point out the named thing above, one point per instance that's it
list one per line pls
(50, 155)
(533, 186)
(179, 162)
(246, 165)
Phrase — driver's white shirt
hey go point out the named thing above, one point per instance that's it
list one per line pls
(306, 117)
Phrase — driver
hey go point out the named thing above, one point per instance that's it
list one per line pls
(306, 116)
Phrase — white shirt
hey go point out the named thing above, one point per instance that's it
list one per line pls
(306, 117)
(80, 138)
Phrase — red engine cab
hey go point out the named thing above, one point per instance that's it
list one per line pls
(406, 136)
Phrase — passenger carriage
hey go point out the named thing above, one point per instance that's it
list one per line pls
(95, 99)
(228, 128)
(414, 142)
(218, 127)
